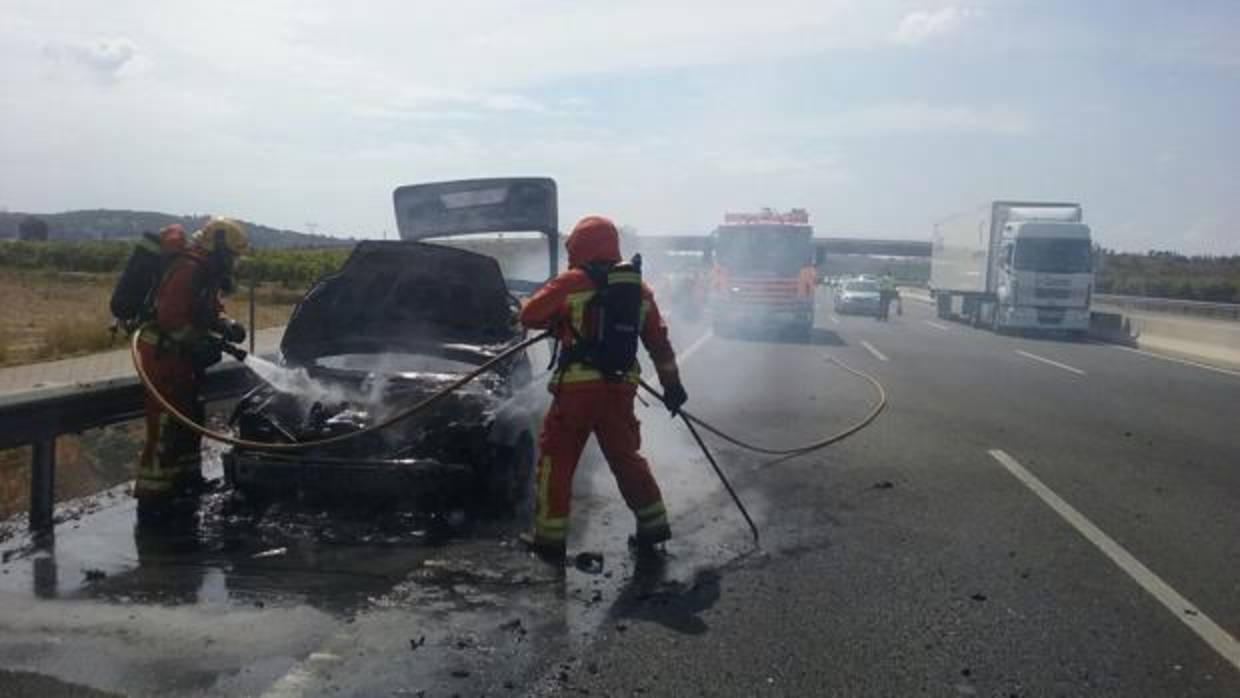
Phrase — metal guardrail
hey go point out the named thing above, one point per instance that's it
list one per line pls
(38, 417)
(1220, 311)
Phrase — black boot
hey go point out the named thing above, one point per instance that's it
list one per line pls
(551, 553)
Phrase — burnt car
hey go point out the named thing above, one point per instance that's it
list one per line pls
(398, 322)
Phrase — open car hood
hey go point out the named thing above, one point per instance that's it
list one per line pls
(402, 295)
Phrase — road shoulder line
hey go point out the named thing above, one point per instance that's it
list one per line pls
(1050, 362)
(870, 348)
(1180, 607)
(1172, 359)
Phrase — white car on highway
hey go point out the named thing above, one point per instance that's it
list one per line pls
(857, 297)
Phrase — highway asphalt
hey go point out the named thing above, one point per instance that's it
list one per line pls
(910, 561)
(1028, 517)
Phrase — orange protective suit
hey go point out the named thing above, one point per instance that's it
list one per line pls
(187, 306)
(587, 404)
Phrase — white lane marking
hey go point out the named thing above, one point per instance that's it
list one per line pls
(1051, 362)
(835, 319)
(697, 344)
(1186, 362)
(937, 326)
(1180, 607)
(870, 347)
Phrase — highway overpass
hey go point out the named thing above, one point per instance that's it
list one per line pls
(824, 245)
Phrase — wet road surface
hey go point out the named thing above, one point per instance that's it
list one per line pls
(905, 561)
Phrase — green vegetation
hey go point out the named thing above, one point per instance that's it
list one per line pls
(1162, 274)
(287, 267)
(108, 224)
(293, 268)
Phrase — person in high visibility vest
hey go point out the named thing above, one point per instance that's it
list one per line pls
(176, 347)
(887, 293)
(589, 401)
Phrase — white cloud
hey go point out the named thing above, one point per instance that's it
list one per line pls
(662, 113)
(917, 28)
(398, 102)
(107, 59)
(912, 117)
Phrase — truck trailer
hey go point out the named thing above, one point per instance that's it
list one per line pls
(1014, 265)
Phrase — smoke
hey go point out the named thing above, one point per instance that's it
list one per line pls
(294, 381)
(308, 390)
(379, 375)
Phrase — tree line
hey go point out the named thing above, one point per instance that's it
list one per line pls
(1164, 274)
(289, 267)
(1158, 274)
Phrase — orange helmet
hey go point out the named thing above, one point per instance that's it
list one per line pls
(594, 239)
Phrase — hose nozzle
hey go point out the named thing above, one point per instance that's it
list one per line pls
(234, 351)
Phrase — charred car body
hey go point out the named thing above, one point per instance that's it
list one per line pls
(398, 322)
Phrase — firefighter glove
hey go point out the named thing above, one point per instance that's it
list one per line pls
(232, 331)
(206, 353)
(674, 397)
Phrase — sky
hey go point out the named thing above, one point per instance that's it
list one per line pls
(880, 118)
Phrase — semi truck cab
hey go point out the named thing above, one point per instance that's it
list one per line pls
(1043, 276)
(1014, 265)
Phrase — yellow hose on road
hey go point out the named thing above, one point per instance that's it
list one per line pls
(302, 445)
(807, 448)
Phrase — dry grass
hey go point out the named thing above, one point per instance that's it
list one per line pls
(66, 337)
(85, 463)
(48, 315)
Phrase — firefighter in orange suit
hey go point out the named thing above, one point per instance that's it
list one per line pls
(585, 402)
(176, 347)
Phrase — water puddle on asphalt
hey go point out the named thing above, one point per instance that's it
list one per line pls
(228, 599)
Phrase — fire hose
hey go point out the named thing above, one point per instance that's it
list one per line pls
(417, 407)
(689, 418)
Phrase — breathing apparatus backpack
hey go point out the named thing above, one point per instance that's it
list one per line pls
(612, 321)
(133, 298)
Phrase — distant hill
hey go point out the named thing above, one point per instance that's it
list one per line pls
(105, 224)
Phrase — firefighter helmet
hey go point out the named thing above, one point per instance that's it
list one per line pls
(223, 231)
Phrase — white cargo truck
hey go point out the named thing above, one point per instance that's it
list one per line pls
(1014, 265)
